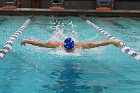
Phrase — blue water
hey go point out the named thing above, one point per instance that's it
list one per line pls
(31, 69)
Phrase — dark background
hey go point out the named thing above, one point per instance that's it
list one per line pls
(84, 4)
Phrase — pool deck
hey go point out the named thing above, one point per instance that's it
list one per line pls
(69, 12)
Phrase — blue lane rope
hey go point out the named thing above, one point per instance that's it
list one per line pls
(123, 47)
(8, 45)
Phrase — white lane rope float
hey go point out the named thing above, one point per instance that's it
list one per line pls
(123, 47)
(8, 45)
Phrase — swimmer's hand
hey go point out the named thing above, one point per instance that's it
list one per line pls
(23, 42)
(116, 43)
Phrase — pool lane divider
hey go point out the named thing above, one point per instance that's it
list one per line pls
(8, 45)
(123, 47)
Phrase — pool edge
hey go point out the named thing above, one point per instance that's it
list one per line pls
(70, 12)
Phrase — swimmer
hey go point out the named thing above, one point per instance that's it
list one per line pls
(69, 45)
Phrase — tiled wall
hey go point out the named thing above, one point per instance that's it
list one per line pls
(125, 5)
(83, 4)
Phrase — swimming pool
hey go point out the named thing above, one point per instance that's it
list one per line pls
(30, 69)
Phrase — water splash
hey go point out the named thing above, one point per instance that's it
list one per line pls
(61, 52)
(62, 31)
(58, 34)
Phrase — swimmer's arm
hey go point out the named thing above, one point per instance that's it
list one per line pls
(97, 44)
(47, 44)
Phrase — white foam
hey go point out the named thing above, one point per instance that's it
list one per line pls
(1, 55)
(97, 50)
(137, 57)
(60, 51)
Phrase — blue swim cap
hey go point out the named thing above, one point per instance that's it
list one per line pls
(68, 43)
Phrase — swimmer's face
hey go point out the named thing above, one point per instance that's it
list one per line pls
(69, 50)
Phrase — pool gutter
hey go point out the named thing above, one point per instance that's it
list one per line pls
(70, 12)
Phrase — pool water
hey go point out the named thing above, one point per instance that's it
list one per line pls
(31, 69)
